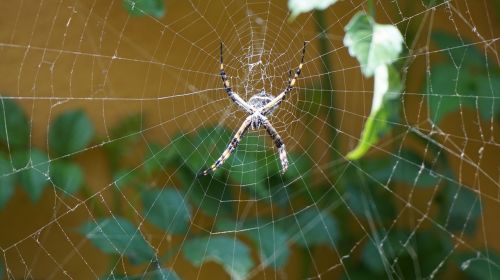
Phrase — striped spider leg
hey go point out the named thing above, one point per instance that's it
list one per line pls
(258, 107)
(231, 146)
(232, 95)
(291, 83)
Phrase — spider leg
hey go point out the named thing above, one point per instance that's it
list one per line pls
(233, 95)
(278, 142)
(231, 147)
(291, 82)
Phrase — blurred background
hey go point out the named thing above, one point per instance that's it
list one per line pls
(110, 110)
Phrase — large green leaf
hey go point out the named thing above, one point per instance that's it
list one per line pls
(117, 235)
(6, 182)
(367, 199)
(211, 195)
(14, 126)
(272, 243)
(298, 7)
(231, 253)
(463, 81)
(200, 150)
(432, 3)
(270, 240)
(166, 209)
(460, 209)
(450, 88)
(373, 44)
(460, 51)
(488, 96)
(159, 274)
(34, 171)
(158, 157)
(70, 132)
(66, 176)
(300, 169)
(483, 266)
(384, 109)
(155, 8)
(413, 170)
(252, 164)
(1, 269)
(311, 227)
(123, 135)
(447, 90)
(429, 251)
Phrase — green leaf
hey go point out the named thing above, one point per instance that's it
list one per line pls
(480, 266)
(66, 176)
(413, 170)
(158, 157)
(166, 209)
(212, 196)
(432, 3)
(373, 44)
(298, 7)
(34, 172)
(463, 81)
(448, 89)
(360, 273)
(1, 269)
(118, 236)
(488, 95)
(270, 240)
(251, 165)
(154, 8)
(200, 150)
(311, 227)
(300, 169)
(128, 127)
(461, 52)
(159, 274)
(370, 200)
(6, 182)
(461, 208)
(14, 125)
(124, 178)
(272, 243)
(124, 135)
(384, 108)
(70, 132)
(231, 253)
(429, 251)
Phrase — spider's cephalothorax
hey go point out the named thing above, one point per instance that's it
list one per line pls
(258, 107)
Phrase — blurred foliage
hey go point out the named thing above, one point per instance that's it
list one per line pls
(154, 8)
(298, 7)
(306, 215)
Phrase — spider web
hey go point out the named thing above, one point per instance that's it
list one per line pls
(61, 55)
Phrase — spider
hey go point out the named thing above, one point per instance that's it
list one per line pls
(258, 107)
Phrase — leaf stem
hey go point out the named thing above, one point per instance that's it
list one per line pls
(87, 194)
(371, 8)
(327, 84)
(306, 263)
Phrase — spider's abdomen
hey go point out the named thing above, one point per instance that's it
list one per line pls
(260, 100)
